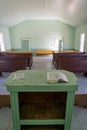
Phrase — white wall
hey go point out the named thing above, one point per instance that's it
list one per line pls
(42, 34)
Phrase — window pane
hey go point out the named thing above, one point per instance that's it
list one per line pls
(2, 47)
(1, 37)
(82, 40)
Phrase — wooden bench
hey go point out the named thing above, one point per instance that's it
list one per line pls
(76, 62)
(44, 52)
(78, 65)
(12, 61)
(57, 53)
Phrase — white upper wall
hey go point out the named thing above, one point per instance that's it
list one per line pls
(42, 34)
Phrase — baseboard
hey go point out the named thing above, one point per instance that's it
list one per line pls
(4, 100)
(81, 100)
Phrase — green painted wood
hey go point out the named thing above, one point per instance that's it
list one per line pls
(15, 110)
(35, 81)
(42, 122)
(69, 110)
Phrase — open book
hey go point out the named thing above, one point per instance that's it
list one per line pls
(18, 76)
(54, 77)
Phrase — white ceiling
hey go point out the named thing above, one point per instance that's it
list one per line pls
(72, 12)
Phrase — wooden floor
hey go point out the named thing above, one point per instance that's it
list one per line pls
(81, 100)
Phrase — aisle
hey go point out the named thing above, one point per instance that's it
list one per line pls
(42, 62)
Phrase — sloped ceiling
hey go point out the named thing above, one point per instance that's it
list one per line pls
(72, 12)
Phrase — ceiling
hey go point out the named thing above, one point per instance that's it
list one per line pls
(72, 12)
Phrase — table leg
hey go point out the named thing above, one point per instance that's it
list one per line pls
(15, 110)
(69, 110)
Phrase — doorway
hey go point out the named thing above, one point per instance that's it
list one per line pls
(58, 44)
(25, 43)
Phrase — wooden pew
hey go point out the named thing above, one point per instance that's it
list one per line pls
(10, 65)
(76, 62)
(12, 61)
(44, 52)
(28, 56)
(57, 56)
(57, 53)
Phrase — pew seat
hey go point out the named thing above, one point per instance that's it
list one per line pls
(44, 52)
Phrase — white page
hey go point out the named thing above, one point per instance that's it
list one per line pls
(62, 77)
(18, 76)
(52, 77)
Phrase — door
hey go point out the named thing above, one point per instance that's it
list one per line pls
(25, 43)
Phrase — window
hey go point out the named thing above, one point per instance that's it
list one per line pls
(2, 47)
(56, 44)
(82, 41)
